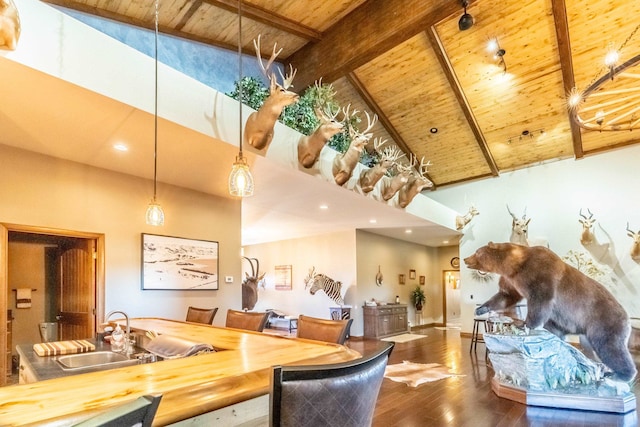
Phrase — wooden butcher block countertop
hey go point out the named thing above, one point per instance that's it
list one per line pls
(238, 371)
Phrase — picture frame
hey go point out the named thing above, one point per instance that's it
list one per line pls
(176, 263)
(283, 277)
(412, 274)
(401, 279)
(422, 280)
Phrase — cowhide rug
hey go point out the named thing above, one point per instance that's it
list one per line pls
(414, 374)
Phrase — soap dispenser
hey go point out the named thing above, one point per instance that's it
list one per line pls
(117, 339)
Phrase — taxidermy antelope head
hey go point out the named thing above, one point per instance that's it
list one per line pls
(258, 131)
(587, 235)
(344, 164)
(309, 147)
(635, 248)
(390, 186)
(250, 285)
(519, 228)
(9, 25)
(462, 221)
(370, 177)
(416, 184)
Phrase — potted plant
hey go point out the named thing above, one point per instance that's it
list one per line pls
(417, 297)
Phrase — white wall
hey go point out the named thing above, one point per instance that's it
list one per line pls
(42, 191)
(331, 254)
(553, 194)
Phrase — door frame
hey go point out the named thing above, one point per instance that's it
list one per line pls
(5, 228)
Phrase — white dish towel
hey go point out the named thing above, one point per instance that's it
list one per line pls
(23, 298)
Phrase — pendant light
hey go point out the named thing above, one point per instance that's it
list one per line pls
(155, 214)
(240, 179)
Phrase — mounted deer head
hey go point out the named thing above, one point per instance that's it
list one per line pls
(9, 25)
(416, 184)
(309, 147)
(258, 131)
(250, 285)
(344, 164)
(370, 177)
(390, 186)
(519, 228)
(462, 221)
(587, 236)
(635, 248)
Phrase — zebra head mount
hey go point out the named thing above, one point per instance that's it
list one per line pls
(321, 282)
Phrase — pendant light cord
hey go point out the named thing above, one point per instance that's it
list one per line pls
(155, 128)
(240, 72)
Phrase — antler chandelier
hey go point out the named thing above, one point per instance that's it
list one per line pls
(612, 102)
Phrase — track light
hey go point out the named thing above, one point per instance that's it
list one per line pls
(466, 20)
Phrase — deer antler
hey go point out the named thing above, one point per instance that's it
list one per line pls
(274, 55)
(391, 154)
(286, 80)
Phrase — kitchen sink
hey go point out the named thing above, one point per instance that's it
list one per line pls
(97, 359)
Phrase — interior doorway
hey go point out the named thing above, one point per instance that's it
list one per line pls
(63, 270)
(451, 297)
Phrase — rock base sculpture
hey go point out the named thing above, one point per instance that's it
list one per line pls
(537, 368)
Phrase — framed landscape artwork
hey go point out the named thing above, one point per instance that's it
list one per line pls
(174, 263)
(283, 277)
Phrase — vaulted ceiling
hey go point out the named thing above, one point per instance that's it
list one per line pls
(437, 90)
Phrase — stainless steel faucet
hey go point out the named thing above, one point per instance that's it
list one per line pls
(128, 331)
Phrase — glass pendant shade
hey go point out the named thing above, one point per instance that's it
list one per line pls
(155, 214)
(240, 179)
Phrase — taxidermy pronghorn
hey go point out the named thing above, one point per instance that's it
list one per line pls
(416, 183)
(370, 177)
(258, 131)
(463, 220)
(344, 164)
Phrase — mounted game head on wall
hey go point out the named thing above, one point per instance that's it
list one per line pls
(635, 248)
(250, 284)
(9, 25)
(519, 228)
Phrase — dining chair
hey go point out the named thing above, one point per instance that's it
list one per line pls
(333, 331)
(343, 394)
(139, 412)
(201, 315)
(248, 320)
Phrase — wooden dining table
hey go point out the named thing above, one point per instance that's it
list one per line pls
(238, 371)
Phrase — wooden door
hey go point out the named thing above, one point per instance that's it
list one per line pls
(77, 292)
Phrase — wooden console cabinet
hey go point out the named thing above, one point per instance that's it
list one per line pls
(385, 320)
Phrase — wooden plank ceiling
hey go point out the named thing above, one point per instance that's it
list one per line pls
(438, 91)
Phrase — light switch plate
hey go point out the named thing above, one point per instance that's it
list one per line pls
(228, 279)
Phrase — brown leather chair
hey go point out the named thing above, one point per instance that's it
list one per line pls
(334, 331)
(201, 315)
(342, 394)
(250, 321)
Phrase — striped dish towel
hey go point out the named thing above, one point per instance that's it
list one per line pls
(63, 347)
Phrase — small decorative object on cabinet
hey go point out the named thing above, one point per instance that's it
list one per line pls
(383, 321)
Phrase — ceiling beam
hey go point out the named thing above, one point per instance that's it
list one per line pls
(566, 65)
(364, 34)
(447, 69)
(268, 18)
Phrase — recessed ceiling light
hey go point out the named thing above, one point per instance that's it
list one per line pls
(372, 221)
(408, 231)
(324, 207)
(444, 242)
(120, 147)
(433, 130)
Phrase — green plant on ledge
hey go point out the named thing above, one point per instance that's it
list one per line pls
(417, 297)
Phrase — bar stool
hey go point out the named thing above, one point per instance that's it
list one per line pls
(475, 335)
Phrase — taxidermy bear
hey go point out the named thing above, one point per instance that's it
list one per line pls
(559, 298)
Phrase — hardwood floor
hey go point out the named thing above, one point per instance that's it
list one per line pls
(467, 400)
